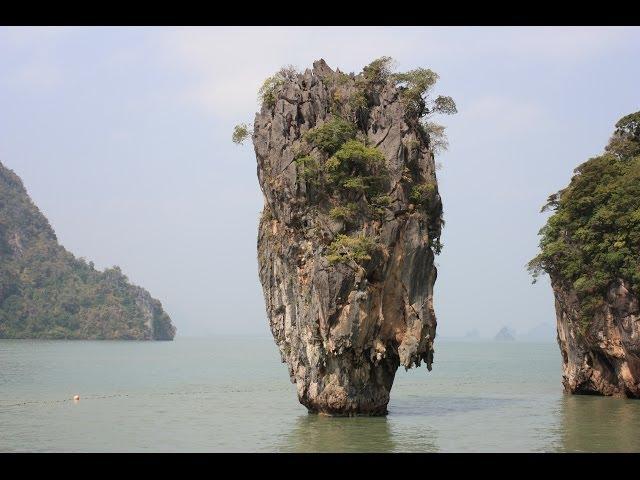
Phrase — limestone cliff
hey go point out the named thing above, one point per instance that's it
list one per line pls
(605, 358)
(46, 292)
(351, 219)
(589, 248)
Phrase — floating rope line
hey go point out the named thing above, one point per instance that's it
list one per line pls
(97, 397)
(228, 389)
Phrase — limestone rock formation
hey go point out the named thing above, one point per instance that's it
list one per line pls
(505, 335)
(46, 292)
(351, 219)
(604, 359)
(589, 248)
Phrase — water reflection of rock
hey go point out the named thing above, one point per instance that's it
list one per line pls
(600, 424)
(440, 405)
(317, 433)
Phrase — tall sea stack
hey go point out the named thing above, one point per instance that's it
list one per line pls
(351, 221)
(590, 247)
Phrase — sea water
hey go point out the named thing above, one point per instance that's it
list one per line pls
(231, 393)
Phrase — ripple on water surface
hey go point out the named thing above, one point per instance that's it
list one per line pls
(233, 394)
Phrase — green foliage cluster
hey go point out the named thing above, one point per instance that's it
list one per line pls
(436, 245)
(593, 238)
(373, 77)
(45, 292)
(379, 205)
(415, 85)
(330, 136)
(358, 101)
(378, 71)
(310, 169)
(625, 141)
(268, 92)
(437, 138)
(358, 168)
(240, 133)
(344, 212)
(348, 168)
(342, 78)
(345, 248)
(423, 193)
(343, 173)
(352, 167)
(444, 105)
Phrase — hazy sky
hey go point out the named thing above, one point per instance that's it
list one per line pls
(122, 137)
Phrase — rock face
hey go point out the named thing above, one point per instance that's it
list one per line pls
(344, 326)
(45, 292)
(589, 247)
(605, 359)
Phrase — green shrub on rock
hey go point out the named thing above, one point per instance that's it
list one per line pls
(330, 136)
(355, 154)
(356, 167)
(423, 193)
(355, 184)
(415, 85)
(345, 248)
(268, 92)
(379, 205)
(309, 168)
(240, 133)
(344, 212)
(378, 71)
(437, 138)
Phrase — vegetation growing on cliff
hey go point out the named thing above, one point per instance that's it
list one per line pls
(344, 176)
(46, 292)
(344, 212)
(423, 193)
(593, 238)
(348, 165)
(345, 248)
(330, 136)
(240, 133)
(268, 92)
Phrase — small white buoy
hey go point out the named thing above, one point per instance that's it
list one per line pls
(76, 398)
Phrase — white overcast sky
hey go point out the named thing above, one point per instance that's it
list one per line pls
(122, 137)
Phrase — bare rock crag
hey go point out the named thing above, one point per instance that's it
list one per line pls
(345, 327)
(604, 359)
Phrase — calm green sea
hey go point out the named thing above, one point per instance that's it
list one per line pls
(233, 394)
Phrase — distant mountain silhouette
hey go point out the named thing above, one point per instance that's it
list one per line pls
(505, 334)
(46, 292)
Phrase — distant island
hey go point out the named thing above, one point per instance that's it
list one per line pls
(46, 292)
(505, 334)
